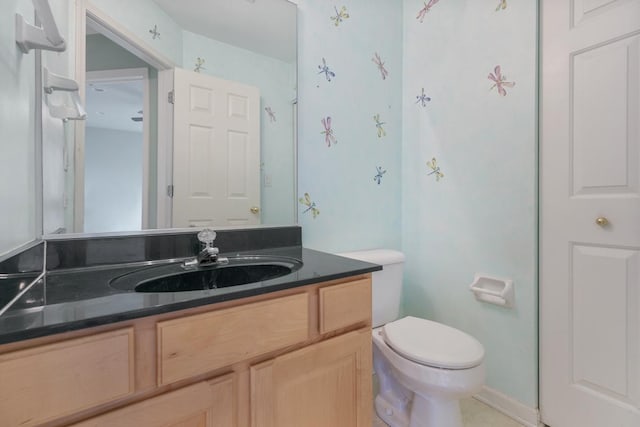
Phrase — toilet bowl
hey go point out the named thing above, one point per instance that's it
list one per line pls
(423, 367)
(422, 387)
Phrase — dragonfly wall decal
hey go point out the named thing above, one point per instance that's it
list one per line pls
(324, 69)
(341, 15)
(311, 206)
(271, 113)
(381, 131)
(199, 65)
(423, 98)
(155, 34)
(499, 81)
(378, 61)
(379, 174)
(435, 169)
(329, 137)
(427, 7)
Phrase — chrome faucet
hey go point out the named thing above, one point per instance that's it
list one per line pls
(209, 254)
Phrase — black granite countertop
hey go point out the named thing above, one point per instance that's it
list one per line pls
(67, 300)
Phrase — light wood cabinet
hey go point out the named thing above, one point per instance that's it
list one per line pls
(326, 384)
(297, 357)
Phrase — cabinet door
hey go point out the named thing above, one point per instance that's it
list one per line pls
(326, 384)
(206, 404)
(47, 382)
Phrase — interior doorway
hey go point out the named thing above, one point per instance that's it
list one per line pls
(116, 178)
(110, 60)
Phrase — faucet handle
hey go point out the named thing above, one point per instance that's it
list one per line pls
(207, 236)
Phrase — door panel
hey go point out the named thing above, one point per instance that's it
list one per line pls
(604, 328)
(238, 147)
(606, 118)
(588, 9)
(201, 179)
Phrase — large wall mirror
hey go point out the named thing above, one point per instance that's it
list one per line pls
(191, 118)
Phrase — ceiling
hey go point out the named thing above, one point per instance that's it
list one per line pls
(111, 105)
(263, 26)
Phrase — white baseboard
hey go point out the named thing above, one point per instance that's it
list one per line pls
(520, 412)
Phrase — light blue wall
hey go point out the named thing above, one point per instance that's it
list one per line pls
(17, 109)
(481, 216)
(104, 54)
(355, 212)
(113, 180)
(276, 81)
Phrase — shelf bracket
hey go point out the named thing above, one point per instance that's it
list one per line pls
(53, 82)
(46, 37)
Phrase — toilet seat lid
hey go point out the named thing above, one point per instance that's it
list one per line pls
(433, 344)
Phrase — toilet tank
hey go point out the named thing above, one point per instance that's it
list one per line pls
(387, 283)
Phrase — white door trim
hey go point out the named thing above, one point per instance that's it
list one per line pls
(164, 211)
(78, 157)
(132, 74)
(294, 112)
(88, 12)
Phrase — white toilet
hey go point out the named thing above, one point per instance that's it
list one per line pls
(424, 368)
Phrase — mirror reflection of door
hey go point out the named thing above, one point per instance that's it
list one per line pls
(215, 174)
(238, 159)
(216, 151)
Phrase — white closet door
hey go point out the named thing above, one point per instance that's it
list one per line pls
(590, 213)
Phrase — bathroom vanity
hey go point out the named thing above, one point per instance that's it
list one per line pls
(291, 351)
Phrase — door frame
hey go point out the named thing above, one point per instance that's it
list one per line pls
(87, 12)
(164, 198)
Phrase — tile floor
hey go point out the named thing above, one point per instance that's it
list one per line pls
(474, 414)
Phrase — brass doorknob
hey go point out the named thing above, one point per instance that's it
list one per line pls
(602, 221)
(255, 210)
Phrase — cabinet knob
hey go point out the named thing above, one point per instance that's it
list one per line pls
(602, 221)
(255, 210)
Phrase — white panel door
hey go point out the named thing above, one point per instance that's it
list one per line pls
(216, 151)
(590, 213)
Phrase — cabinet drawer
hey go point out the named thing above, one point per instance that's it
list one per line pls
(345, 305)
(51, 381)
(201, 343)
